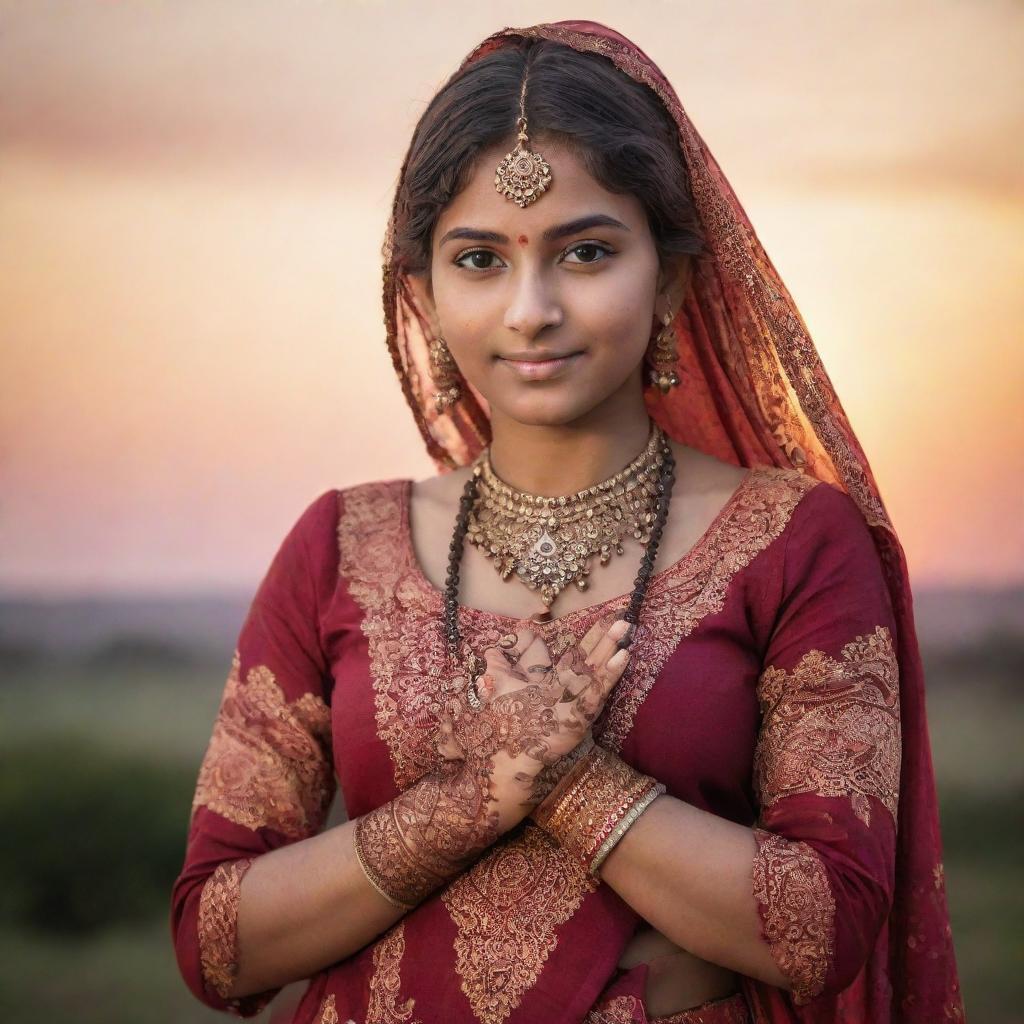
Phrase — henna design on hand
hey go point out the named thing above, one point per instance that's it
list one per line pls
(536, 712)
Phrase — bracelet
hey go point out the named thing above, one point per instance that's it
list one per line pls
(624, 826)
(601, 800)
(565, 786)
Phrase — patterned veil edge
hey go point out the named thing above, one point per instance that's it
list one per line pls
(754, 392)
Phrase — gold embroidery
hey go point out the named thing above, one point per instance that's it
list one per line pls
(508, 907)
(619, 1010)
(629, 1010)
(385, 982)
(403, 625)
(832, 727)
(797, 911)
(218, 921)
(328, 1011)
(268, 763)
(680, 598)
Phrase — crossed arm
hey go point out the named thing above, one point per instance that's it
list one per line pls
(796, 901)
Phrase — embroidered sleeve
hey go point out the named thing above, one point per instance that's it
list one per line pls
(827, 763)
(267, 776)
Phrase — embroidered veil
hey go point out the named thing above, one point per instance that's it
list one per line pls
(754, 392)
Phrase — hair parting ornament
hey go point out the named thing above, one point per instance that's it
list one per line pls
(523, 176)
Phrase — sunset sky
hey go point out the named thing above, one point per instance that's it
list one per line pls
(193, 197)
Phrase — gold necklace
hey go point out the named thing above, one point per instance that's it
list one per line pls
(549, 542)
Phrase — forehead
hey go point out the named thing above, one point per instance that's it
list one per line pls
(572, 193)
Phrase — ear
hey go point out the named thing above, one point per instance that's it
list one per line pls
(423, 292)
(673, 283)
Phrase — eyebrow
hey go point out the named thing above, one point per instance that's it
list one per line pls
(572, 227)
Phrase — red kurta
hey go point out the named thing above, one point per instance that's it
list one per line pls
(762, 687)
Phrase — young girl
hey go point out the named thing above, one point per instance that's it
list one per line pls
(625, 705)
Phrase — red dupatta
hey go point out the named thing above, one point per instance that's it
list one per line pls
(754, 392)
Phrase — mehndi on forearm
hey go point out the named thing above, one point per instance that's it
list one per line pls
(427, 835)
(500, 766)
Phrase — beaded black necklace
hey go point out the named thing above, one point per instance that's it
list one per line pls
(472, 664)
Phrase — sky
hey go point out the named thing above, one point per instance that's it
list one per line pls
(193, 198)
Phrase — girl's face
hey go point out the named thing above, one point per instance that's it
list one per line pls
(572, 277)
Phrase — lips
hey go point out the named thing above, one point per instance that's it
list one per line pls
(534, 368)
(537, 357)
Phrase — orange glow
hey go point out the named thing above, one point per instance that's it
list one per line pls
(190, 263)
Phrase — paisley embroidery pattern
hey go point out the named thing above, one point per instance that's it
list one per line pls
(797, 911)
(508, 907)
(832, 728)
(268, 763)
(385, 982)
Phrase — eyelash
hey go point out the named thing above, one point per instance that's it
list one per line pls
(579, 245)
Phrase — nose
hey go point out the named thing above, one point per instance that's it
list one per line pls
(533, 305)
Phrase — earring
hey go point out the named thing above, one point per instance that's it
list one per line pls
(444, 373)
(663, 358)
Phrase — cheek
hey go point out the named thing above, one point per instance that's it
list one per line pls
(615, 320)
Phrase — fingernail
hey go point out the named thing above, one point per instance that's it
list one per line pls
(618, 628)
(627, 638)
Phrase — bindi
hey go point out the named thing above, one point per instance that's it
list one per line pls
(523, 240)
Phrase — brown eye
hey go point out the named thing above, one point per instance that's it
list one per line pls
(474, 254)
(588, 248)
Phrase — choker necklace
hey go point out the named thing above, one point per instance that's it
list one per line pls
(549, 542)
(467, 661)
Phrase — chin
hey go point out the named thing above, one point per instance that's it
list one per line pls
(551, 410)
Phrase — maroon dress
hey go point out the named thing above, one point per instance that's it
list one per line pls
(763, 687)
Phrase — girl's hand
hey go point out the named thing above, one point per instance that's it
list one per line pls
(535, 712)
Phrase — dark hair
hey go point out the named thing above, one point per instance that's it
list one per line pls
(617, 127)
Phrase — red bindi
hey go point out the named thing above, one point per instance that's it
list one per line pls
(523, 240)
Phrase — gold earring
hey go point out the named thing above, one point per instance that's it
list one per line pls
(444, 373)
(523, 175)
(664, 356)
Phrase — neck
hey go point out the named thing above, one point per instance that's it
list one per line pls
(555, 460)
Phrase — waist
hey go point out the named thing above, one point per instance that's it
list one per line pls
(679, 982)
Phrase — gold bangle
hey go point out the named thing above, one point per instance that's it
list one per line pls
(582, 754)
(625, 825)
(597, 807)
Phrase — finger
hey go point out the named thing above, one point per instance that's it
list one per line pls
(613, 670)
(536, 654)
(606, 645)
(591, 699)
(589, 641)
(495, 662)
(522, 643)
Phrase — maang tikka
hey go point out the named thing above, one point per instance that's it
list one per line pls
(524, 175)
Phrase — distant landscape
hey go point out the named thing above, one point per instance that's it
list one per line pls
(106, 706)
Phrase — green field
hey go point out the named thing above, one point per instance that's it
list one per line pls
(64, 735)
